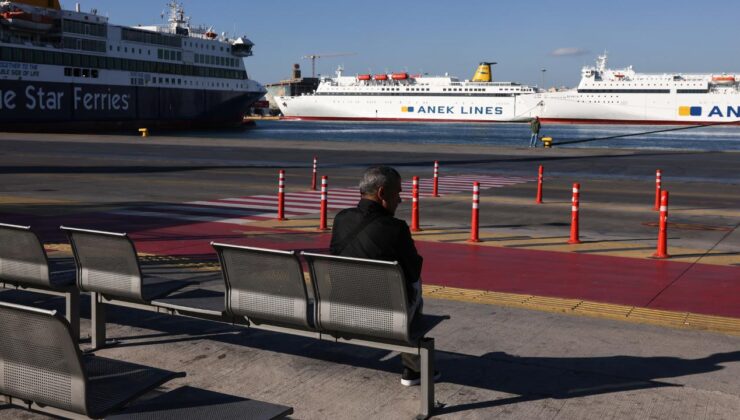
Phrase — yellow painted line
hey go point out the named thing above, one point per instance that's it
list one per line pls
(58, 248)
(16, 199)
(682, 320)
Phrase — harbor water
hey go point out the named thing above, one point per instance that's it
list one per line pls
(714, 138)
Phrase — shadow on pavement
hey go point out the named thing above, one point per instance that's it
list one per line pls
(526, 378)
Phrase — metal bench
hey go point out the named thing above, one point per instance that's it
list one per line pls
(266, 286)
(42, 369)
(108, 267)
(360, 302)
(365, 302)
(24, 264)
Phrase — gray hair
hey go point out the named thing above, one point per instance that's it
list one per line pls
(375, 177)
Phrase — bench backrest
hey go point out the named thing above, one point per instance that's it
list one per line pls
(22, 257)
(39, 360)
(264, 285)
(106, 263)
(360, 297)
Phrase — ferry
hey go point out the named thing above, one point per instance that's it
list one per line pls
(623, 96)
(406, 97)
(69, 70)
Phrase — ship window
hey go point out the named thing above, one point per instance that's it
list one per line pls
(94, 73)
(179, 56)
(125, 49)
(77, 72)
(160, 54)
(85, 72)
(67, 71)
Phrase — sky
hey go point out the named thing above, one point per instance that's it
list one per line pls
(437, 37)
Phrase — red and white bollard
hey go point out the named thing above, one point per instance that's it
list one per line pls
(662, 250)
(313, 177)
(474, 217)
(540, 176)
(281, 195)
(435, 190)
(574, 215)
(415, 205)
(658, 187)
(324, 202)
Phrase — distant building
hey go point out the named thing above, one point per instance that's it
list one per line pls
(295, 86)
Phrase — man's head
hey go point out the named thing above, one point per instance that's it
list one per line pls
(382, 184)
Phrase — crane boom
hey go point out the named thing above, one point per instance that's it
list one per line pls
(313, 58)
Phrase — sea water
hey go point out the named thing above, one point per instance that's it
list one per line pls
(714, 138)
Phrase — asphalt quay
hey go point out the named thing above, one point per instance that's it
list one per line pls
(175, 195)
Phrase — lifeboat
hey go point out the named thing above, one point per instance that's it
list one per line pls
(723, 79)
(22, 19)
(400, 76)
(381, 77)
(364, 77)
(211, 35)
(619, 76)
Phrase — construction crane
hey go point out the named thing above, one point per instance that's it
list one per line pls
(313, 58)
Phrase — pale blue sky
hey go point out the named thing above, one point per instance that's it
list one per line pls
(437, 36)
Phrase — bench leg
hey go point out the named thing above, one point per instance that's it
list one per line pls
(97, 321)
(72, 312)
(427, 378)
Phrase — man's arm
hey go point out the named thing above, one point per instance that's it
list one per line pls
(408, 257)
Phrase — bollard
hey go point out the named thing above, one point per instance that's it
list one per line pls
(144, 132)
(546, 142)
(474, 217)
(415, 205)
(313, 177)
(662, 250)
(658, 187)
(435, 192)
(324, 204)
(540, 174)
(281, 195)
(574, 215)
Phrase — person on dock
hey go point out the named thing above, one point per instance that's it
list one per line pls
(535, 126)
(371, 231)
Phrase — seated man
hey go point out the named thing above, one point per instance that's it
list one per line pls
(370, 231)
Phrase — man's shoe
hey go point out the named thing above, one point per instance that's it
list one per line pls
(411, 378)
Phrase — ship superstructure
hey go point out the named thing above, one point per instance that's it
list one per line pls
(406, 97)
(68, 69)
(623, 96)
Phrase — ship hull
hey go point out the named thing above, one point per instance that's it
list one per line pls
(49, 106)
(572, 107)
(406, 108)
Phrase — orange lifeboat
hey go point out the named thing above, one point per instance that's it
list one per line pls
(364, 77)
(619, 76)
(381, 77)
(400, 76)
(26, 20)
(723, 80)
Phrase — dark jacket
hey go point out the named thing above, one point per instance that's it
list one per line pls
(535, 126)
(385, 238)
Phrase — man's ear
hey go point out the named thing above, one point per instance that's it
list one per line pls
(381, 193)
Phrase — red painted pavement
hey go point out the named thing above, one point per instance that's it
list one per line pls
(659, 284)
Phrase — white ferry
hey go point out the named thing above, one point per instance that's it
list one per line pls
(72, 70)
(622, 96)
(405, 97)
